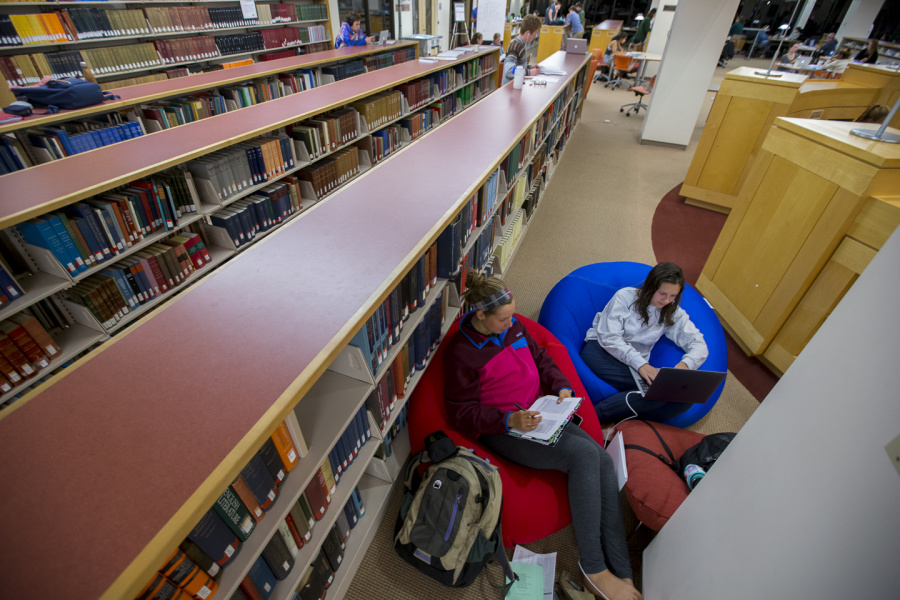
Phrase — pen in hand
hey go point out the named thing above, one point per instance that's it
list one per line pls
(519, 406)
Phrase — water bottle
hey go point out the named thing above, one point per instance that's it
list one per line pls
(518, 77)
(693, 474)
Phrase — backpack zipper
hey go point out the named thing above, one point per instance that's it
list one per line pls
(452, 517)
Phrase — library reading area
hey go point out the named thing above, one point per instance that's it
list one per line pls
(225, 287)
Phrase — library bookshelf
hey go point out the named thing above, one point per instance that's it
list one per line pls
(137, 440)
(182, 144)
(143, 26)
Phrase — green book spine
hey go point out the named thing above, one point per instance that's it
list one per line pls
(235, 514)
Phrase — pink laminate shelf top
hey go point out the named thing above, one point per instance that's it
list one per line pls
(45, 187)
(97, 464)
(145, 92)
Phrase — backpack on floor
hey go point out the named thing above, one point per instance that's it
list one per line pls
(449, 523)
(703, 454)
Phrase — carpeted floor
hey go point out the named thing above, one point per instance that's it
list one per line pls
(685, 235)
(598, 207)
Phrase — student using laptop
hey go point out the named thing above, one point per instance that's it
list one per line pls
(624, 333)
(351, 34)
(493, 366)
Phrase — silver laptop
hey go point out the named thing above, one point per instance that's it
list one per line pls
(576, 46)
(680, 385)
(382, 38)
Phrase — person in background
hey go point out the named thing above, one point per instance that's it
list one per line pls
(517, 54)
(839, 61)
(794, 36)
(351, 34)
(791, 55)
(737, 28)
(498, 41)
(581, 15)
(574, 23)
(625, 331)
(478, 38)
(829, 46)
(552, 13)
(762, 40)
(495, 372)
(869, 55)
(474, 16)
(526, 9)
(643, 30)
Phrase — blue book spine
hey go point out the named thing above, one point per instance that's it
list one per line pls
(263, 578)
(41, 233)
(67, 242)
(10, 286)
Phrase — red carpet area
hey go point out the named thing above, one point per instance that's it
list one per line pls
(685, 235)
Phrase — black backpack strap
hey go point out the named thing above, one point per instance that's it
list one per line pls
(670, 462)
(500, 555)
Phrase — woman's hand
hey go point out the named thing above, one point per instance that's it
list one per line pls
(525, 420)
(648, 373)
(563, 394)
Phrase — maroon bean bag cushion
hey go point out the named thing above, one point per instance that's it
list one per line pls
(535, 503)
(653, 489)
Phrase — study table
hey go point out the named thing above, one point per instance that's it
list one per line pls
(113, 462)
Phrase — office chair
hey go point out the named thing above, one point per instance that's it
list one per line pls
(600, 75)
(640, 91)
(622, 64)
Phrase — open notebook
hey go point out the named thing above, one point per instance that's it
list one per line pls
(555, 417)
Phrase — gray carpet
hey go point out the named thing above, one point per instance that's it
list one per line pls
(598, 207)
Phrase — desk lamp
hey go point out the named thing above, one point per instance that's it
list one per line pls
(880, 135)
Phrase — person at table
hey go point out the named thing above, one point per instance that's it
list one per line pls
(516, 53)
(351, 34)
(795, 35)
(478, 38)
(552, 14)
(791, 55)
(762, 40)
(493, 367)
(643, 30)
(839, 62)
(616, 45)
(625, 331)
(830, 45)
(869, 54)
(574, 22)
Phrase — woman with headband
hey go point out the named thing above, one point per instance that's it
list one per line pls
(492, 365)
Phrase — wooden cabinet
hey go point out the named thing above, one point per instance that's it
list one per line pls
(816, 206)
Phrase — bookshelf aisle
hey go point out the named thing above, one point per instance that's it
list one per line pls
(60, 183)
(176, 405)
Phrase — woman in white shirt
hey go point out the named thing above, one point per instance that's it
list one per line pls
(624, 333)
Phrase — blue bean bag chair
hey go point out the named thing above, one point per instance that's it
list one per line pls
(569, 311)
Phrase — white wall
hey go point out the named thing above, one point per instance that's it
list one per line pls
(662, 25)
(859, 18)
(491, 17)
(805, 503)
(691, 54)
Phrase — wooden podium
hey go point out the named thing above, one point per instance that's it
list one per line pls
(817, 205)
(745, 108)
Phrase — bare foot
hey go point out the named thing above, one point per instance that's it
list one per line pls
(611, 587)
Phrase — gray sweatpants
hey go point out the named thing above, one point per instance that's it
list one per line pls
(593, 491)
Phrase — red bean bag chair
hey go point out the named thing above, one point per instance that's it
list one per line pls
(535, 503)
(653, 489)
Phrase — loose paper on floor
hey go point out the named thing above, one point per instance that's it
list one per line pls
(547, 563)
(530, 585)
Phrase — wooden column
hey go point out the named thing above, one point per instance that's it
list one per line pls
(817, 205)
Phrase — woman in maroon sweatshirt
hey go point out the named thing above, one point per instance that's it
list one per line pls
(493, 366)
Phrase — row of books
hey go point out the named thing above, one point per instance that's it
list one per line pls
(90, 233)
(384, 142)
(89, 23)
(282, 37)
(326, 175)
(216, 539)
(418, 93)
(312, 34)
(324, 133)
(475, 90)
(140, 277)
(26, 349)
(178, 111)
(393, 432)
(236, 168)
(179, 50)
(10, 290)
(382, 330)
(346, 69)
(510, 239)
(239, 43)
(380, 108)
(409, 359)
(262, 211)
(121, 58)
(453, 239)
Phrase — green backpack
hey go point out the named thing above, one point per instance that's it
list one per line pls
(449, 523)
